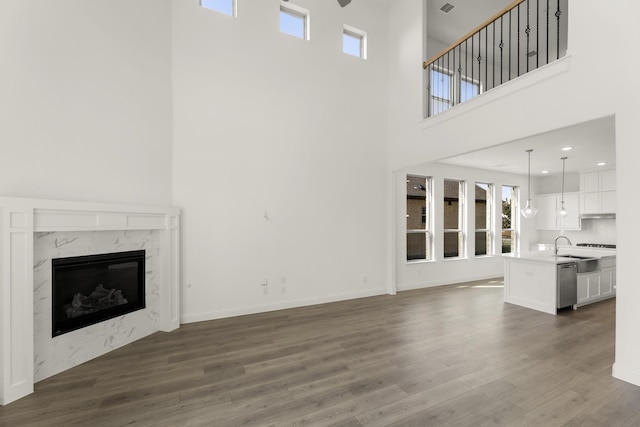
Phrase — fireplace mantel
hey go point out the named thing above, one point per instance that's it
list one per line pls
(20, 219)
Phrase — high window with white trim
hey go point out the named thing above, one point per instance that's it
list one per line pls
(509, 219)
(227, 7)
(294, 21)
(484, 218)
(453, 216)
(419, 218)
(354, 42)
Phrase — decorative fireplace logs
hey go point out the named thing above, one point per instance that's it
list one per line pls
(100, 299)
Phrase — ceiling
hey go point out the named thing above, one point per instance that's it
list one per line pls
(592, 142)
(464, 17)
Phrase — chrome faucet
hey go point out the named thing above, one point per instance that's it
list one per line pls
(556, 243)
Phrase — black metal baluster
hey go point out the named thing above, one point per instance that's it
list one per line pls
(486, 57)
(449, 74)
(479, 60)
(547, 31)
(457, 83)
(558, 13)
(436, 84)
(501, 49)
(440, 83)
(527, 32)
(466, 65)
(518, 49)
(493, 55)
(537, 33)
(472, 59)
(431, 90)
(510, 44)
(453, 77)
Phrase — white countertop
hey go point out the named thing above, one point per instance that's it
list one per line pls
(548, 256)
(539, 257)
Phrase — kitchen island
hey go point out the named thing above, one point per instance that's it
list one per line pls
(531, 278)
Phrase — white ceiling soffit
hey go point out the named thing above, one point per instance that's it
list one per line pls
(592, 142)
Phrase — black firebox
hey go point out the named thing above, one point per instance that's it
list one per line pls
(93, 288)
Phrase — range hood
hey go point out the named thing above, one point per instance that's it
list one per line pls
(598, 216)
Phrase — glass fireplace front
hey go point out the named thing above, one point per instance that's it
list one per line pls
(93, 288)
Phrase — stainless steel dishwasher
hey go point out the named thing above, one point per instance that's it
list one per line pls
(567, 284)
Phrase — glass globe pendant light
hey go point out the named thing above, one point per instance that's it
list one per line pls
(562, 212)
(529, 211)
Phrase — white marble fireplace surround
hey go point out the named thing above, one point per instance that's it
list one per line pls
(33, 232)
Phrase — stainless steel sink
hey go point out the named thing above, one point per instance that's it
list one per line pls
(585, 264)
(576, 257)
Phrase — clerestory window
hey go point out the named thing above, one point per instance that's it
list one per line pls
(294, 21)
(227, 7)
(354, 42)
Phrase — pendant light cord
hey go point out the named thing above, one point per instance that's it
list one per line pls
(529, 176)
(563, 160)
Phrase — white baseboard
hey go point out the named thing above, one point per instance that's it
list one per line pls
(624, 374)
(263, 308)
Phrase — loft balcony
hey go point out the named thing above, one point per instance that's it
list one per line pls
(522, 37)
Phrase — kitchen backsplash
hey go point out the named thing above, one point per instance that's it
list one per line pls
(593, 231)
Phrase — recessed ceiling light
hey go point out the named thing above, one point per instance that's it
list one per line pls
(601, 163)
(567, 148)
(544, 172)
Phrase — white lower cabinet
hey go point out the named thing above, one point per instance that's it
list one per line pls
(606, 281)
(588, 287)
(598, 285)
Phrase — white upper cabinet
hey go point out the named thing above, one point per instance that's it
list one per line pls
(607, 181)
(598, 192)
(548, 205)
(590, 182)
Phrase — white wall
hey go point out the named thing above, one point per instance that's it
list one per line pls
(86, 90)
(279, 157)
(555, 96)
(412, 275)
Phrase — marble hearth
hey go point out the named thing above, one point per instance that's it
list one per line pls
(35, 231)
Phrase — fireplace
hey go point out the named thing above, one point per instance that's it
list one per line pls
(93, 288)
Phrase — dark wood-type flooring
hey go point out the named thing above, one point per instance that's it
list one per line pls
(453, 355)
